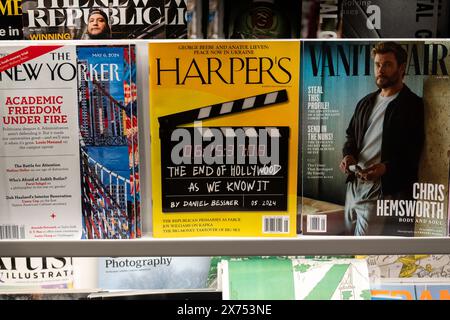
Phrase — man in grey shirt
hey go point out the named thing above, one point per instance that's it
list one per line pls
(383, 144)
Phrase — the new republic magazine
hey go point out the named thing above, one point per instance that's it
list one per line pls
(68, 143)
(375, 138)
(224, 130)
(104, 19)
(10, 20)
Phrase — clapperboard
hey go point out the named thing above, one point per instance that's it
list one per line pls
(224, 168)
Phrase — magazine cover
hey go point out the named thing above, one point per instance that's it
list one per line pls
(104, 19)
(268, 278)
(216, 19)
(373, 125)
(308, 23)
(33, 273)
(332, 279)
(410, 290)
(11, 20)
(321, 19)
(40, 160)
(224, 129)
(194, 18)
(395, 19)
(107, 112)
(443, 28)
(400, 267)
(144, 273)
(277, 278)
(176, 23)
(434, 162)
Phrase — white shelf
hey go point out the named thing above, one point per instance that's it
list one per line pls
(302, 245)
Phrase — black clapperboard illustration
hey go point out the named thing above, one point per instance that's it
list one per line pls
(224, 168)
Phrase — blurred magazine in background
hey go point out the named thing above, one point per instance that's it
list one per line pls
(10, 20)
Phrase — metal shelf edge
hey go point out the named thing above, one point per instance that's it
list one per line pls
(301, 245)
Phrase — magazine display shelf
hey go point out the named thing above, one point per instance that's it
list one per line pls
(301, 245)
(149, 246)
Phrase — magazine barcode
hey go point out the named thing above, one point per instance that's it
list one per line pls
(12, 231)
(316, 223)
(275, 224)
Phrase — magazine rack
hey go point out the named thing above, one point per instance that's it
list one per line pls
(149, 246)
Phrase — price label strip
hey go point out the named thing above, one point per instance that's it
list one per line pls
(224, 168)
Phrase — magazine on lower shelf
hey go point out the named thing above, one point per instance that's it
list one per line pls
(359, 19)
(53, 277)
(381, 19)
(414, 266)
(224, 138)
(106, 19)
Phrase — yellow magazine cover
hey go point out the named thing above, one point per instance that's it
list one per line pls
(224, 138)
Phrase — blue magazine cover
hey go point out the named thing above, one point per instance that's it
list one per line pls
(108, 142)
